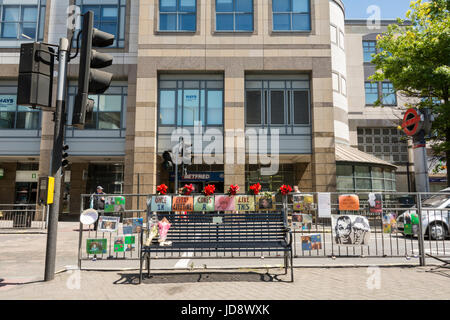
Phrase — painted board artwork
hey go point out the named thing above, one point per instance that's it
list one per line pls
(132, 225)
(183, 203)
(119, 244)
(266, 203)
(389, 222)
(115, 204)
(96, 246)
(108, 224)
(301, 222)
(302, 202)
(311, 242)
(130, 243)
(349, 202)
(204, 203)
(161, 204)
(245, 203)
(224, 203)
(375, 203)
(351, 230)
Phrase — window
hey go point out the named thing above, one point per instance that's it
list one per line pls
(371, 93)
(177, 15)
(333, 32)
(183, 102)
(389, 96)
(369, 48)
(364, 178)
(277, 103)
(13, 116)
(22, 21)
(343, 86)
(109, 108)
(234, 15)
(335, 77)
(388, 144)
(341, 39)
(109, 16)
(291, 15)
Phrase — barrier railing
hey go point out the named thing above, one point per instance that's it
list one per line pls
(377, 225)
(22, 216)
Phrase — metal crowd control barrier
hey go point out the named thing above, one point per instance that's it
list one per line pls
(22, 216)
(407, 225)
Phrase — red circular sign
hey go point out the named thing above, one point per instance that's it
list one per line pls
(411, 122)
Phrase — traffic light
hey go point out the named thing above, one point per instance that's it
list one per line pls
(65, 155)
(91, 80)
(35, 83)
(168, 162)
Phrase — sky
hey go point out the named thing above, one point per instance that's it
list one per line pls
(389, 9)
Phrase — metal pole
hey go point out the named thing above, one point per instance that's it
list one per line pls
(420, 231)
(420, 163)
(56, 168)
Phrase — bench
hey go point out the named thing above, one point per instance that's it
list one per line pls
(214, 233)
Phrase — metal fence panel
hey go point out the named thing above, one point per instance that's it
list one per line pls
(20, 217)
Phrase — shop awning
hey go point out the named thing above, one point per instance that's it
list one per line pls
(348, 154)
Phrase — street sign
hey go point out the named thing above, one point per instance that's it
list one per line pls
(411, 122)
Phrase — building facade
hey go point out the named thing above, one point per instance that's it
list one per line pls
(261, 86)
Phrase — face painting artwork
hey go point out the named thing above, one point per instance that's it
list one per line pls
(351, 230)
(361, 231)
(343, 230)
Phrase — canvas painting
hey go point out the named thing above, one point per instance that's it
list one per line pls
(389, 222)
(375, 203)
(114, 204)
(203, 203)
(245, 203)
(96, 246)
(183, 203)
(301, 222)
(311, 242)
(224, 203)
(266, 203)
(119, 244)
(108, 224)
(350, 230)
(161, 203)
(130, 243)
(302, 202)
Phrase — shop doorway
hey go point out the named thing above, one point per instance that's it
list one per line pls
(26, 192)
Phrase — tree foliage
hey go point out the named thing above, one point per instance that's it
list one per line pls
(415, 56)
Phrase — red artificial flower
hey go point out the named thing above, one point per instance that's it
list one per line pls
(285, 189)
(233, 190)
(162, 189)
(256, 188)
(187, 189)
(209, 190)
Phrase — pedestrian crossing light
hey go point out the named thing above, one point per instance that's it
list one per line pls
(65, 155)
(91, 80)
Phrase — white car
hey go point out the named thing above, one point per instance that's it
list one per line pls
(435, 217)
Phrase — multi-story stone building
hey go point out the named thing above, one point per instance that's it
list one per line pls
(292, 67)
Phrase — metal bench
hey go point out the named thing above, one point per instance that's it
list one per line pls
(214, 233)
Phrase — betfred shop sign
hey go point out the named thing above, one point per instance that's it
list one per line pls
(411, 122)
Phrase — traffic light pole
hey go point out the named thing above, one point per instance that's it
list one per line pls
(56, 167)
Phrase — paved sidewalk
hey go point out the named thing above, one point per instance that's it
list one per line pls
(318, 283)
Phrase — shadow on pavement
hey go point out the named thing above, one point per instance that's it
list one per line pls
(195, 277)
(3, 283)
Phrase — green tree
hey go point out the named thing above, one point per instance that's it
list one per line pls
(415, 56)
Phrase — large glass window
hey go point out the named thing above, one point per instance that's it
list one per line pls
(369, 48)
(183, 102)
(234, 15)
(389, 96)
(109, 108)
(109, 16)
(364, 178)
(371, 93)
(13, 116)
(19, 21)
(277, 103)
(389, 144)
(291, 15)
(177, 15)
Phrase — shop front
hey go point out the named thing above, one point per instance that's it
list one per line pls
(199, 180)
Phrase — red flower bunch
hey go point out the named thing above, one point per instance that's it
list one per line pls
(256, 188)
(233, 190)
(187, 189)
(285, 189)
(162, 189)
(209, 190)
